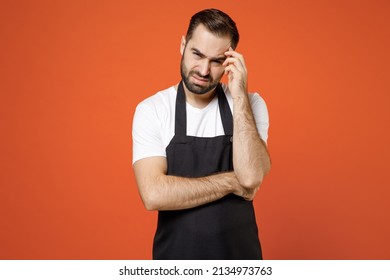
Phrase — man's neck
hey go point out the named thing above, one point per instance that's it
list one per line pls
(198, 100)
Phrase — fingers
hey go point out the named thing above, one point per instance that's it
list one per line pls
(247, 194)
(251, 194)
(234, 63)
(236, 70)
(230, 69)
(235, 58)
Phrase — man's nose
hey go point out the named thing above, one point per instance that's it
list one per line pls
(204, 67)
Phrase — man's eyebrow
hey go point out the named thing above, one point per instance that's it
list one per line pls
(198, 52)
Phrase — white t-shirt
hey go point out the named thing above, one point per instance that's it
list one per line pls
(154, 121)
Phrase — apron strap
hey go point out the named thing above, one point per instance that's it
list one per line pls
(181, 114)
(226, 113)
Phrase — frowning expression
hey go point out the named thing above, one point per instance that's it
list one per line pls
(202, 59)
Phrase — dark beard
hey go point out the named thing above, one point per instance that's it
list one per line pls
(197, 89)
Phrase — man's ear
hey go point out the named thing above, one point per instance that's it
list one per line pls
(182, 45)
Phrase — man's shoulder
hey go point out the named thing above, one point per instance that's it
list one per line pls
(160, 99)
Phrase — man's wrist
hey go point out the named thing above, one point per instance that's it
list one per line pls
(240, 97)
(232, 184)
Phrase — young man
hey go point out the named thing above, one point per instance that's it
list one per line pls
(199, 152)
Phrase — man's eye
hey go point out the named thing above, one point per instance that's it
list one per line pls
(196, 55)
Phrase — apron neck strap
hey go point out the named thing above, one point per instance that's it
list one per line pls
(226, 113)
(181, 112)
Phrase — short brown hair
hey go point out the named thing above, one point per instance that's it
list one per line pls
(217, 22)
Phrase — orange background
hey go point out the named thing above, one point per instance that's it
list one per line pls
(72, 72)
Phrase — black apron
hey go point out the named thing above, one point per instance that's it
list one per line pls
(223, 229)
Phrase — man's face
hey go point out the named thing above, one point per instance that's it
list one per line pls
(202, 59)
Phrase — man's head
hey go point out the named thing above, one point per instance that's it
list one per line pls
(210, 34)
(217, 22)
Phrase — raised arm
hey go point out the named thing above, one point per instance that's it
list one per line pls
(250, 155)
(164, 192)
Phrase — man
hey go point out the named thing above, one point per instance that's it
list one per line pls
(188, 138)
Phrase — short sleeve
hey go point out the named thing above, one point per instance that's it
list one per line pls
(147, 138)
(260, 113)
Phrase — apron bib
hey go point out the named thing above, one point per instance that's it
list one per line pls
(223, 229)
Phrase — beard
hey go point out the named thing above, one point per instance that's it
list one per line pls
(194, 88)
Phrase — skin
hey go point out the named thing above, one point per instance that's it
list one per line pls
(251, 160)
(205, 59)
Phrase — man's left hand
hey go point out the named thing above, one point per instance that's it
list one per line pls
(236, 70)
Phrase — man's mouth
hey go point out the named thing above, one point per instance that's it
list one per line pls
(199, 79)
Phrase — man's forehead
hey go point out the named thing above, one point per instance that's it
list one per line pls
(210, 50)
(208, 43)
(210, 56)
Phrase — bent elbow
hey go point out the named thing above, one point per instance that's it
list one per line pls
(150, 206)
(255, 180)
(251, 183)
(150, 201)
(267, 168)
